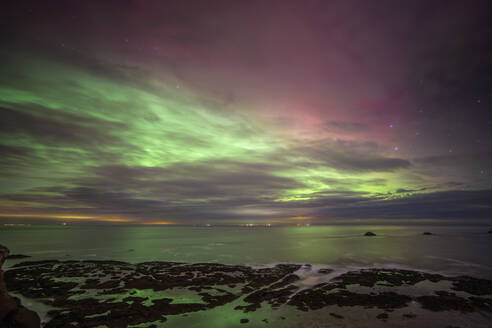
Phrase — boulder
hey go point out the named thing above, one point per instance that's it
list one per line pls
(369, 234)
(4, 253)
(382, 316)
(23, 318)
(12, 313)
(7, 302)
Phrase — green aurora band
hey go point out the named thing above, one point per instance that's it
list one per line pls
(156, 133)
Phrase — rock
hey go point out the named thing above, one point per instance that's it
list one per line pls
(409, 315)
(8, 303)
(473, 286)
(445, 302)
(12, 313)
(382, 316)
(369, 234)
(426, 233)
(4, 253)
(23, 318)
(338, 316)
(54, 282)
(17, 256)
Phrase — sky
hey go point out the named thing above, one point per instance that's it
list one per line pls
(234, 112)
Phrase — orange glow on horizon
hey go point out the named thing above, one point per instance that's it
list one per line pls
(67, 217)
(301, 218)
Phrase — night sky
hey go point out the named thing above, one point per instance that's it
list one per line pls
(231, 112)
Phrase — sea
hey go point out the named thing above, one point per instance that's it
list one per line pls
(450, 251)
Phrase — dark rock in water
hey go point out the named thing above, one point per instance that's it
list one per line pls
(473, 286)
(244, 320)
(325, 271)
(369, 234)
(444, 293)
(481, 302)
(338, 316)
(317, 298)
(12, 313)
(445, 302)
(409, 315)
(391, 277)
(17, 256)
(55, 282)
(426, 233)
(382, 316)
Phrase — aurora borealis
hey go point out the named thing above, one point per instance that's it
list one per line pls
(231, 112)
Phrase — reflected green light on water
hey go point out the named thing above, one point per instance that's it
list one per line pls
(458, 249)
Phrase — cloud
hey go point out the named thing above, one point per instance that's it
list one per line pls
(348, 155)
(403, 190)
(444, 205)
(53, 127)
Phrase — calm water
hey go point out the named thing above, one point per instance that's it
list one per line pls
(452, 250)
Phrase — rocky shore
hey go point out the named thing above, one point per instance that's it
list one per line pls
(12, 313)
(118, 294)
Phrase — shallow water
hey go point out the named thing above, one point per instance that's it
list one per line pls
(452, 250)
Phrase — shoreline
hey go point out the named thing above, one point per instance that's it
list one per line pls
(96, 293)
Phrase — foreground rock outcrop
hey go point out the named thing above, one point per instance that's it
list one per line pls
(119, 295)
(12, 313)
